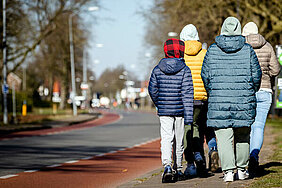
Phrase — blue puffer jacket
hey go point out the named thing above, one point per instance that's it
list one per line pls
(171, 89)
(231, 75)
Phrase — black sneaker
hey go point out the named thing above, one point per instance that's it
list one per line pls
(213, 161)
(179, 176)
(253, 167)
(201, 165)
(167, 175)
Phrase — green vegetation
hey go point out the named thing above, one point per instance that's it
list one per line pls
(41, 115)
(274, 169)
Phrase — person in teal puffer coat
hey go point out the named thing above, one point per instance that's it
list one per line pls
(231, 74)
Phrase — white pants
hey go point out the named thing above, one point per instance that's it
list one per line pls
(172, 133)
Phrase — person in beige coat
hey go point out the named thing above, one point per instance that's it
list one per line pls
(270, 68)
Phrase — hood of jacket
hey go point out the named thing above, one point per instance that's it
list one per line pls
(230, 27)
(230, 43)
(171, 65)
(255, 40)
(250, 28)
(192, 47)
(189, 32)
(174, 48)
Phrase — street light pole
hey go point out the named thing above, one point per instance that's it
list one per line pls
(74, 107)
(5, 114)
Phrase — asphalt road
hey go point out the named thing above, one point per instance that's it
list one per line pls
(32, 153)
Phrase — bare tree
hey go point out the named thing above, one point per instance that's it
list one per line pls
(109, 81)
(38, 21)
(208, 16)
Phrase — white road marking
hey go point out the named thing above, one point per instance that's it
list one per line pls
(69, 162)
(30, 171)
(53, 166)
(147, 142)
(8, 176)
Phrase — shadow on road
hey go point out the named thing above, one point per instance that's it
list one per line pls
(39, 157)
(111, 163)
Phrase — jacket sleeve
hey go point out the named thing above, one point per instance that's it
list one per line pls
(153, 88)
(187, 93)
(255, 70)
(274, 66)
(205, 72)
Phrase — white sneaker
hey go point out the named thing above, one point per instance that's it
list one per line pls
(228, 176)
(242, 174)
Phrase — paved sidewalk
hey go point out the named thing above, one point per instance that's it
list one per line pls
(153, 179)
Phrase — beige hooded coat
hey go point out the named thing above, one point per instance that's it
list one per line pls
(267, 59)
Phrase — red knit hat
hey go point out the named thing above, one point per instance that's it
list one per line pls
(174, 48)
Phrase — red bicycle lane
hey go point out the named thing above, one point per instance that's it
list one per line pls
(109, 170)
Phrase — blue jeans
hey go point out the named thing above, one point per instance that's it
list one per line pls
(264, 100)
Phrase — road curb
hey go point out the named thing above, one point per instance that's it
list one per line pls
(105, 118)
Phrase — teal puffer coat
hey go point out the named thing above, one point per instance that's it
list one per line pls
(231, 75)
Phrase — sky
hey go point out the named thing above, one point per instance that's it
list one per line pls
(121, 31)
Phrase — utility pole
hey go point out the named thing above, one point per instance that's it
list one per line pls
(14, 104)
(74, 107)
(5, 86)
(24, 78)
(84, 81)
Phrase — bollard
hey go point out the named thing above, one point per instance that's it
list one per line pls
(24, 108)
(54, 108)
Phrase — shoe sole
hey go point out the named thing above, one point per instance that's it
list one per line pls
(228, 180)
(187, 176)
(167, 178)
(214, 161)
(181, 178)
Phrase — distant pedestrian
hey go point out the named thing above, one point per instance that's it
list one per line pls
(232, 75)
(194, 135)
(270, 68)
(171, 89)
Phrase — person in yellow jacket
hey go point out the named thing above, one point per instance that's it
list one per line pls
(194, 134)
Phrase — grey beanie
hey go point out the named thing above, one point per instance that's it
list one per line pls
(231, 26)
(250, 28)
(189, 32)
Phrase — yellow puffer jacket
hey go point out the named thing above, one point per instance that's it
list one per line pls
(194, 57)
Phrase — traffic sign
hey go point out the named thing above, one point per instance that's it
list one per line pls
(280, 59)
(5, 89)
(84, 86)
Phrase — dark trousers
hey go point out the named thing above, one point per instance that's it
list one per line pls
(194, 135)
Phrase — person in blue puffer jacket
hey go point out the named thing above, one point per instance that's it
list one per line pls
(231, 74)
(171, 90)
